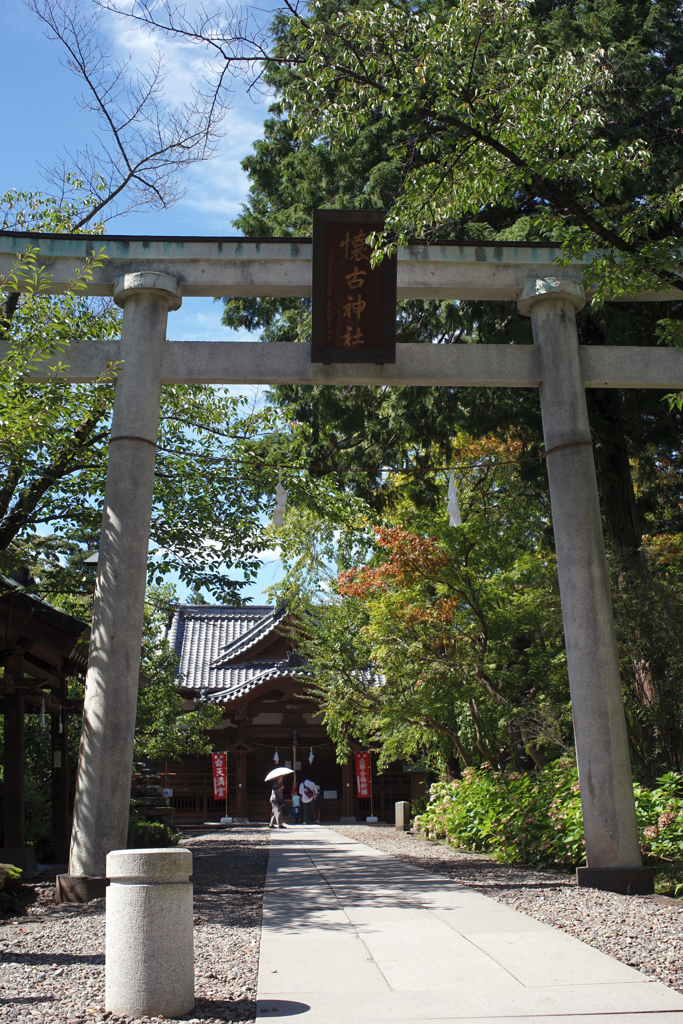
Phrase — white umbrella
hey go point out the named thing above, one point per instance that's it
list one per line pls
(277, 773)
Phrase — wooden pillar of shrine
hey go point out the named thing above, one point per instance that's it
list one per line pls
(15, 828)
(241, 784)
(61, 830)
(347, 790)
(240, 750)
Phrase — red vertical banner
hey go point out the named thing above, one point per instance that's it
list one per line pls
(220, 782)
(363, 777)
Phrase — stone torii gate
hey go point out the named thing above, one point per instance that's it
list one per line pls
(148, 278)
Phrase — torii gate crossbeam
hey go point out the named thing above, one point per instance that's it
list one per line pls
(148, 277)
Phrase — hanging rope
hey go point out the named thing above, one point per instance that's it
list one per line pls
(559, 447)
(318, 745)
(383, 471)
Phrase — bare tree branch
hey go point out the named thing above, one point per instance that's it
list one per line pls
(237, 39)
(144, 144)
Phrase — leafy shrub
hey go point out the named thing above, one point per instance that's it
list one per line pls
(150, 833)
(418, 807)
(660, 818)
(10, 888)
(535, 818)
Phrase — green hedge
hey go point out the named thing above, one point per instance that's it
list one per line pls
(535, 818)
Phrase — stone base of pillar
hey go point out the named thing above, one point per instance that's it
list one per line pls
(24, 859)
(80, 888)
(627, 881)
(149, 949)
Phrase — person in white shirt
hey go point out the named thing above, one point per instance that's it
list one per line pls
(307, 792)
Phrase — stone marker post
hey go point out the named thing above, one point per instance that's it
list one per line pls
(402, 815)
(612, 848)
(149, 951)
(106, 753)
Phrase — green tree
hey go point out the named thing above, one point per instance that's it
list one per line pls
(208, 496)
(448, 640)
(53, 437)
(490, 122)
(479, 121)
(497, 111)
(567, 114)
(463, 626)
(161, 711)
(648, 608)
(292, 172)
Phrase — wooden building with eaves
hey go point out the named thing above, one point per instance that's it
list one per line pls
(41, 647)
(242, 660)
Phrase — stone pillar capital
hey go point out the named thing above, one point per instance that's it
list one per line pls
(146, 281)
(544, 288)
(149, 867)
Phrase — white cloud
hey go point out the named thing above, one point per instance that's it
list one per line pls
(217, 188)
(187, 66)
(270, 554)
(199, 319)
(185, 63)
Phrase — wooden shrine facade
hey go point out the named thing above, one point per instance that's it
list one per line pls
(40, 647)
(242, 660)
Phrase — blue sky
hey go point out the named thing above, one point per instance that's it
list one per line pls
(41, 117)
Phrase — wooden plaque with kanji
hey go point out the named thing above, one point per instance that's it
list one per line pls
(354, 305)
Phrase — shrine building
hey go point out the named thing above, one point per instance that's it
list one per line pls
(242, 660)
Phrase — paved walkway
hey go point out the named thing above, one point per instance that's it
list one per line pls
(353, 936)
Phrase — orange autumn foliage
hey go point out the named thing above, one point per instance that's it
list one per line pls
(412, 560)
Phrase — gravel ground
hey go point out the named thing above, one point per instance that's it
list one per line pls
(52, 960)
(642, 932)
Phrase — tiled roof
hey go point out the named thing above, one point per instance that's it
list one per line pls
(207, 638)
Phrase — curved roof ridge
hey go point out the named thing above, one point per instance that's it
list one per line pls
(283, 669)
(252, 637)
(223, 611)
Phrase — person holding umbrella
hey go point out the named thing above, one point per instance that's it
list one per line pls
(277, 802)
(277, 796)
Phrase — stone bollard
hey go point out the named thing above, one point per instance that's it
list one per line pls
(402, 815)
(149, 959)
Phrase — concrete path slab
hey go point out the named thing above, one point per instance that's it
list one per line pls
(354, 936)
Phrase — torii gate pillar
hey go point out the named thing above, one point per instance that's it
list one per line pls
(611, 833)
(106, 754)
